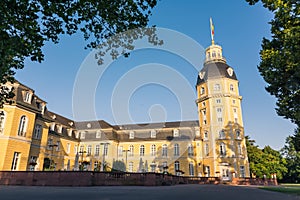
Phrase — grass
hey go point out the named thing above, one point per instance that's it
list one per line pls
(285, 188)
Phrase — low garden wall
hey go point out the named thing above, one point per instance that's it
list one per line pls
(86, 178)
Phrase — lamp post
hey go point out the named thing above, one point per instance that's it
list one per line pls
(103, 156)
(51, 161)
(126, 151)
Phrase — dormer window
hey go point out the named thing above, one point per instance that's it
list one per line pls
(197, 133)
(52, 127)
(153, 134)
(76, 134)
(82, 135)
(59, 128)
(70, 132)
(98, 134)
(175, 133)
(27, 97)
(131, 135)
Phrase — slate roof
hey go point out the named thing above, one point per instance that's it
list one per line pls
(215, 70)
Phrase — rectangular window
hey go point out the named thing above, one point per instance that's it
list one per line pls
(37, 131)
(2, 120)
(164, 150)
(130, 167)
(218, 101)
(242, 171)
(207, 171)
(220, 119)
(32, 163)
(49, 143)
(68, 148)
(120, 151)
(57, 145)
(89, 150)
(15, 161)
(105, 149)
(97, 150)
(206, 150)
(176, 150)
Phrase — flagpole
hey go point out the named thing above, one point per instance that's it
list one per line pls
(212, 31)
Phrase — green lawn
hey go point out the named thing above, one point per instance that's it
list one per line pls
(284, 188)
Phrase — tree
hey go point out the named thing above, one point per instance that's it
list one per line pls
(266, 161)
(280, 57)
(25, 26)
(292, 156)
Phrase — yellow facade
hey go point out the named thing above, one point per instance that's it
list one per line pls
(33, 138)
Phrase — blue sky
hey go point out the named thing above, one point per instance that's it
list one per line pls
(239, 29)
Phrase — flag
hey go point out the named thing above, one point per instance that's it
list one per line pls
(212, 30)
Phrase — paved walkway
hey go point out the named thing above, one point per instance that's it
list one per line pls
(178, 192)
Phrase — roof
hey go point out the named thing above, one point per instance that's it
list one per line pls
(97, 124)
(157, 125)
(214, 70)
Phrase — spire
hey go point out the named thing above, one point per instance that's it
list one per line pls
(213, 52)
(212, 31)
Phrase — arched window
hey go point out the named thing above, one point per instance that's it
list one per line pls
(231, 88)
(213, 54)
(142, 150)
(222, 149)
(205, 135)
(202, 90)
(153, 150)
(164, 150)
(131, 149)
(176, 150)
(22, 126)
(238, 134)
(190, 150)
(2, 122)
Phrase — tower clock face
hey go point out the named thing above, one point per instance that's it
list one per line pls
(201, 75)
(230, 71)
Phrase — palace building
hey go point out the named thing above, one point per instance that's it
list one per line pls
(34, 139)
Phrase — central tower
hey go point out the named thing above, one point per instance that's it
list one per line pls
(220, 117)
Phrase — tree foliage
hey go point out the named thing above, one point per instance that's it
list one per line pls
(280, 57)
(266, 161)
(26, 25)
(291, 152)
